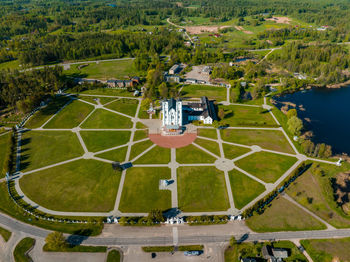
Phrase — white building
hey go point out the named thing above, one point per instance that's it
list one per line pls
(172, 113)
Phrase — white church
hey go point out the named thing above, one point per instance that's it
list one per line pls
(176, 114)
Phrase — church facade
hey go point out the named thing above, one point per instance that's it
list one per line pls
(176, 114)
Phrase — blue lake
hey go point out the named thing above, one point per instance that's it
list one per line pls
(329, 112)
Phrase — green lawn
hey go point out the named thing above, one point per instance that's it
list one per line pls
(140, 134)
(99, 140)
(4, 151)
(40, 117)
(247, 116)
(139, 125)
(315, 191)
(157, 155)
(138, 148)
(206, 132)
(125, 106)
(115, 155)
(269, 139)
(103, 119)
(266, 166)
(201, 189)
(42, 148)
(79, 186)
(282, 215)
(192, 154)
(141, 190)
(104, 92)
(232, 152)
(328, 250)
(105, 70)
(244, 188)
(209, 145)
(212, 92)
(113, 256)
(101, 99)
(22, 247)
(5, 234)
(71, 116)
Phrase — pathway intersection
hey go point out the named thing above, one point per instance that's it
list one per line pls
(220, 162)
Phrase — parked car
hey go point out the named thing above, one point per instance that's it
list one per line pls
(192, 253)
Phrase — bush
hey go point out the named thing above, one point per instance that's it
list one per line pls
(158, 249)
(191, 248)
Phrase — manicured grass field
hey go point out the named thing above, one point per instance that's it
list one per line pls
(4, 150)
(140, 134)
(105, 92)
(115, 155)
(42, 148)
(244, 189)
(282, 215)
(138, 148)
(232, 152)
(209, 145)
(40, 117)
(103, 119)
(139, 125)
(22, 248)
(105, 70)
(192, 154)
(206, 132)
(269, 139)
(99, 140)
(125, 106)
(5, 234)
(212, 92)
(101, 99)
(315, 192)
(79, 186)
(327, 250)
(157, 155)
(201, 189)
(266, 166)
(247, 116)
(141, 190)
(71, 116)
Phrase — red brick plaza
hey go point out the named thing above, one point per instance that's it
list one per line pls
(173, 141)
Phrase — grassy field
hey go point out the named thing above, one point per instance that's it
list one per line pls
(328, 250)
(5, 234)
(206, 132)
(22, 248)
(315, 192)
(244, 189)
(247, 116)
(71, 116)
(79, 186)
(113, 256)
(232, 152)
(40, 117)
(212, 92)
(101, 99)
(157, 155)
(122, 69)
(209, 145)
(4, 150)
(266, 166)
(104, 92)
(192, 154)
(103, 119)
(125, 106)
(115, 155)
(99, 140)
(282, 215)
(141, 190)
(138, 148)
(246, 249)
(269, 139)
(140, 134)
(201, 189)
(42, 148)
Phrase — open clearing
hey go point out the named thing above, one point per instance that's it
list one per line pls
(82, 185)
(141, 190)
(103, 119)
(201, 189)
(192, 154)
(125, 106)
(115, 155)
(157, 155)
(212, 92)
(195, 30)
(99, 140)
(4, 148)
(232, 152)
